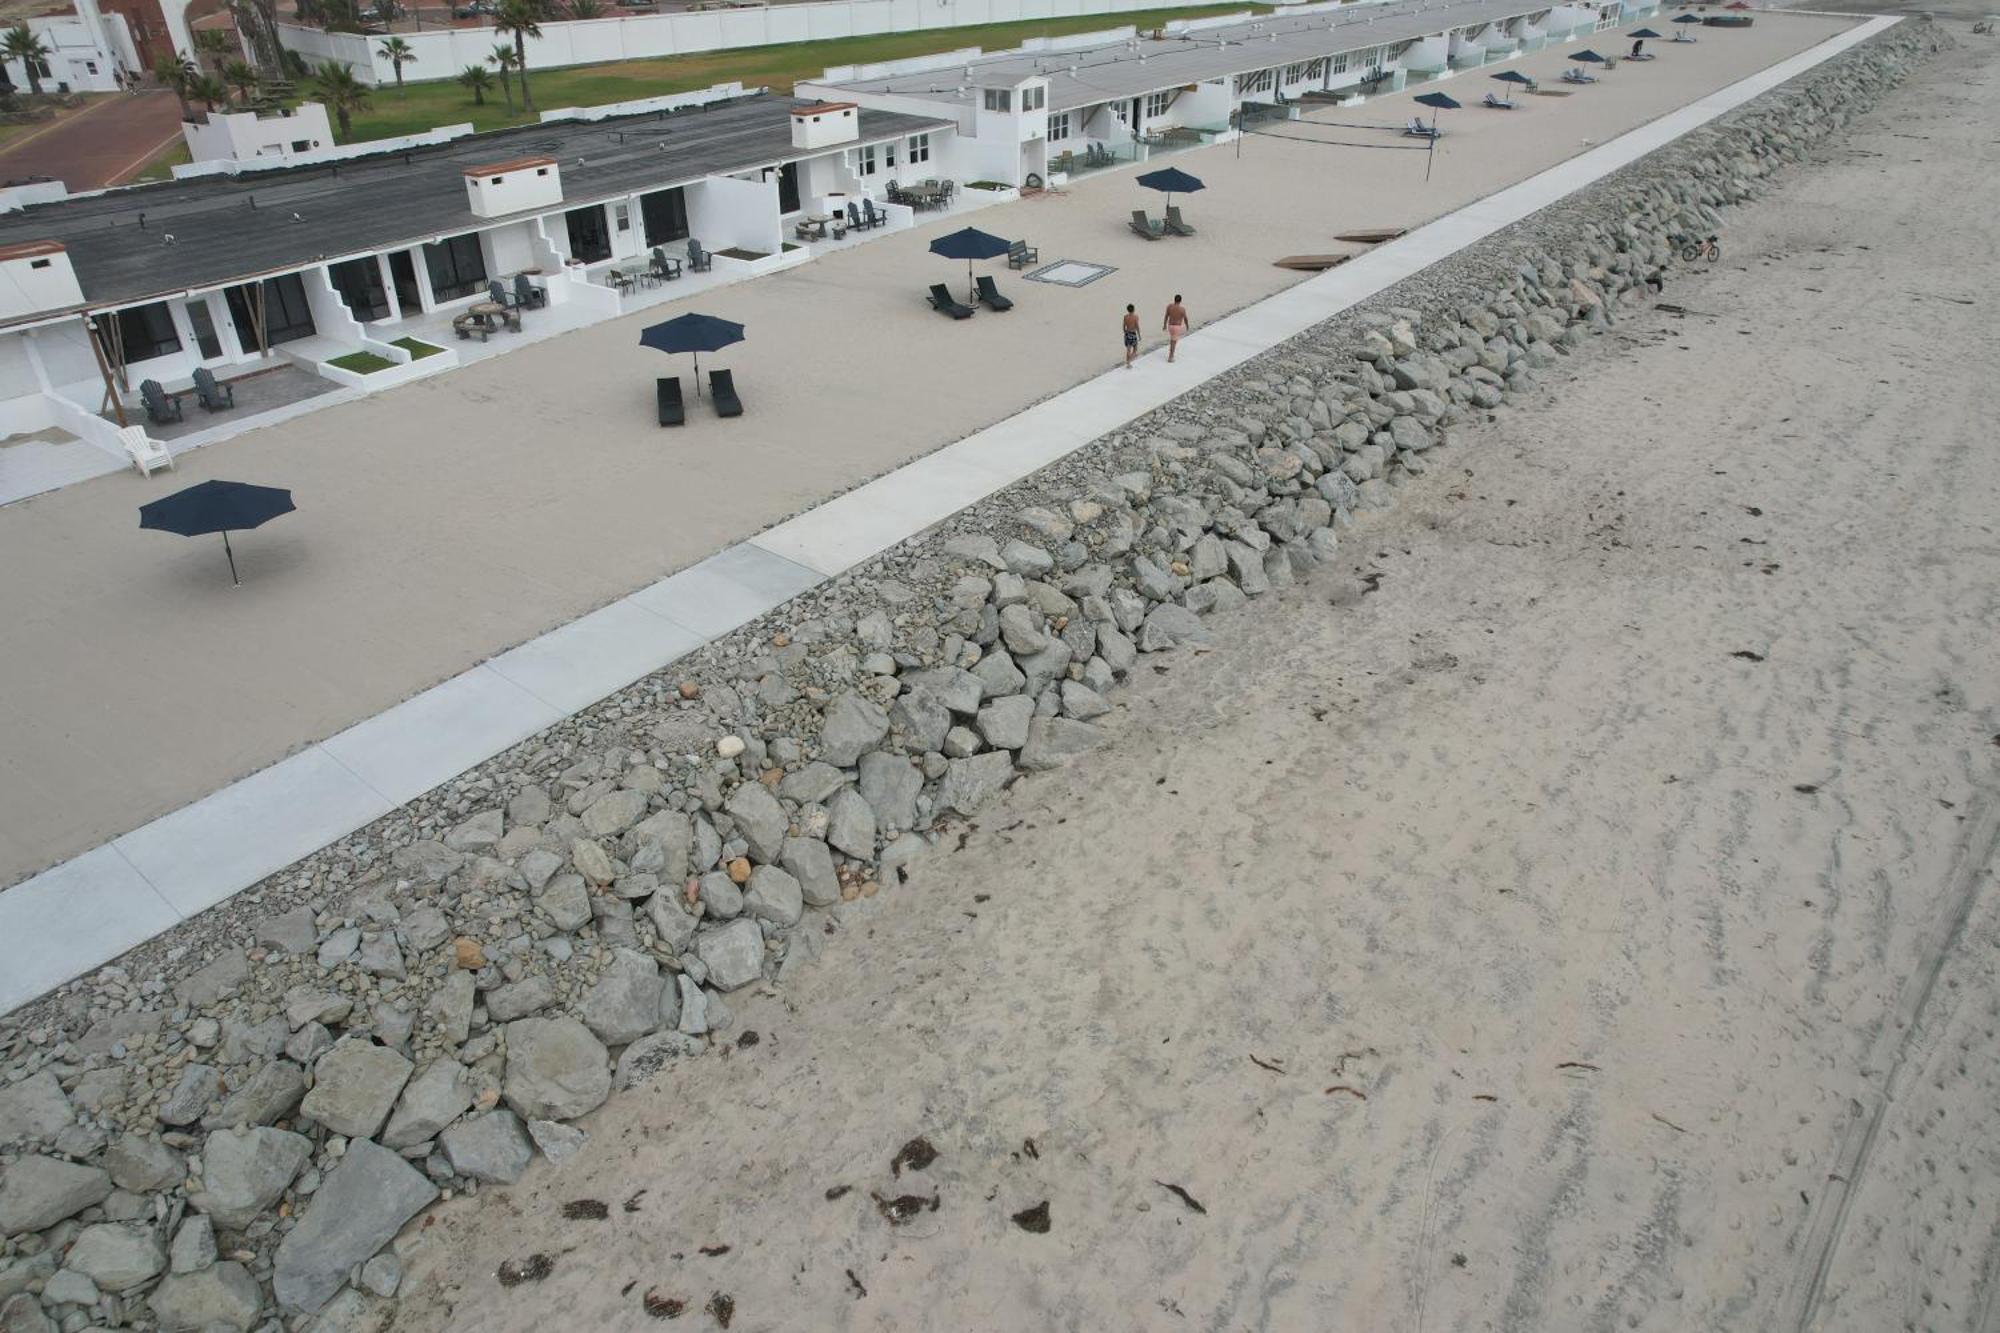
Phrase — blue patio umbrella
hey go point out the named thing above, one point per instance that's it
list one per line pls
(1171, 181)
(692, 333)
(1512, 76)
(1437, 102)
(1590, 56)
(969, 243)
(1688, 18)
(217, 506)
(1644, 32)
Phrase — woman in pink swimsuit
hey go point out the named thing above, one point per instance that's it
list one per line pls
(1177, 325)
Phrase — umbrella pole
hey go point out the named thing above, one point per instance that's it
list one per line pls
(234, 582)
(697, 374)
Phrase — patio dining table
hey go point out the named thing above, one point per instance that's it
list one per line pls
(923, 195)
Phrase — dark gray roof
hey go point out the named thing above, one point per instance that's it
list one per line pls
(1085, 76)
(233, 228)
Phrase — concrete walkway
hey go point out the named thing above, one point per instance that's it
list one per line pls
(86, 911)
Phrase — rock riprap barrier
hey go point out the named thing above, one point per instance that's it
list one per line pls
(226, 1131)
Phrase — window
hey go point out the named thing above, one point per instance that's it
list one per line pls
(1293, 73)
(622, 213)
(456, 266)
(864, 161)
(38, 263)
(1059, 125)
(664, 213)
(90, 65)
(889, 156)
(147, 331)
(301, 145)
(359, 282)
(541, 171)
(1034, 99)
(266, 315)
(999, 99)
(1340, 63)
(920, 148)
(1157, 104)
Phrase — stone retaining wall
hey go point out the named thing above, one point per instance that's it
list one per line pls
(226, 1129)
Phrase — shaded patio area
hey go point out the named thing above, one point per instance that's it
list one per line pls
(278, 386)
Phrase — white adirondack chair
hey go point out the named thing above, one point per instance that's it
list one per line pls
(147, 454)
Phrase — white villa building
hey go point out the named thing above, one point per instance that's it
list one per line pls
(1061, 104)
(88, 50)
(288, 133)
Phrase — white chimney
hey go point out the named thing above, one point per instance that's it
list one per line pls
(500, 189)
(824, 124)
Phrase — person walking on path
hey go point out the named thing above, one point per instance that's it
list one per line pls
(1131, 335)
(1176, 325)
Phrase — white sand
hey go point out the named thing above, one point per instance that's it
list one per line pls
(1512, 846)
(446, 521)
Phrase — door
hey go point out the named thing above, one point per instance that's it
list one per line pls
(403, 272)
(788, 188)
(664, 215)
(280, 308)
(1137, 124)
(203, 325)
(359, 282)
(588, 239)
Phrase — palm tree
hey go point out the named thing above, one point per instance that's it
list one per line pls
(479, 79)
(177, 74)
(213, 43)
(26, 47)
(504, 57)
(242, 77)
(335, 85)
(398, 53)
(586, 9)
(210, 90)
(522, 18)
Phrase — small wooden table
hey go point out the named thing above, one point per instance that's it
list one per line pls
(489, 311)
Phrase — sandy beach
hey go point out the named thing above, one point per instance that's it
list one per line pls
(1573, 909)
(448, 520)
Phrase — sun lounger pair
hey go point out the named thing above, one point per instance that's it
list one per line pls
(721, 392)
(1578, 76)
(1498, 103)
(1417, 129)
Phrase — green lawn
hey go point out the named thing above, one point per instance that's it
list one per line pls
(362, 363)
(438, 101)
(417, 348)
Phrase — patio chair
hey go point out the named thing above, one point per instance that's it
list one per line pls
(854, 222)
(895, 192)
(1020, 254)
(497, 293)
(1145, 226)
(1175, 223)
(722, 392)
(667, 388)
(665, 267)
(1416, 129)
(874, 219)
(1574, 75)
(698, 258)
(161, 407)
(211, 394)
(989, 294)
(147, 454)
(942, 302)
(1498, 103)
(527, 296)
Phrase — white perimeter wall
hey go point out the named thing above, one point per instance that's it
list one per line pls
(725, 212)
(443, 54)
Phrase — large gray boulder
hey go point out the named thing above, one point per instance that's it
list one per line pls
(851, 727)
(808, 861)
(759, 818)
(624, 1005)
(117, 1256)
(354, 1086)
(438, 1095)
(493, 1147)
(556, 1070)
(518, 999)
(270, 1094)
(773, 896)
(224, 1296)
(614, 813)
(1004, 722)
(890, 785)
(38, 1192)
(357, 1210)
(1054, 741)
(141, 1164)
(970, 783)
(850, 823)
(733, 954)
(648, 1055)
(33, 1110)
(245, 1173)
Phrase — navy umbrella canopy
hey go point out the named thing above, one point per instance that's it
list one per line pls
(217, 506)
(969, 244)
(692, 333)
(1688, 18)
(1438, 100)
(1513, 76)
(1591, 56)
(1171, 181)
(1644, 32)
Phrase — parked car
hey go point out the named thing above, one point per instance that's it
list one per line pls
(473, 9)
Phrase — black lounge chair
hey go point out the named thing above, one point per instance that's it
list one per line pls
(1020, 254)
(211, 393)
(1174, 222)
(874, 219)
(942, 302)
(161, 407)
(698, 258)
(668, 391)
(722, 392)
(1145, 226)
(527, 296)
(990, 294)
(498, 294)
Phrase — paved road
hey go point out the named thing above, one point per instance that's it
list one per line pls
(103, 145)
